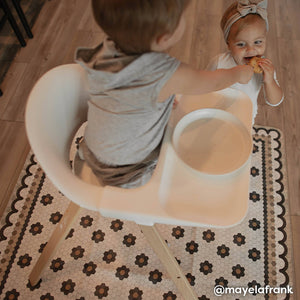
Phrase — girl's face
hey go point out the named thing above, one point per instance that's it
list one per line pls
(247, 42)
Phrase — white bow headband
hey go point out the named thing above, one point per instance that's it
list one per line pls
(244, 8)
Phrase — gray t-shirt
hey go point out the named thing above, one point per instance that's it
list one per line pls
(125, 121)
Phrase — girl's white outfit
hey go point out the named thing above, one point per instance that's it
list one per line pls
(252, 88)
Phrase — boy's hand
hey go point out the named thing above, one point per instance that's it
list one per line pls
(245, 73)
(268, 68)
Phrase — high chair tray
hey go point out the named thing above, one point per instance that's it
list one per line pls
(178, 195)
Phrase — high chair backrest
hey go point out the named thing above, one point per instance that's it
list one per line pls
(56, 107)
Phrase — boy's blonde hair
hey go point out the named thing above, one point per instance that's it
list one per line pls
(134, 24)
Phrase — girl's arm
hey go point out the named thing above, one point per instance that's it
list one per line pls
(272, 91)
(189, 81)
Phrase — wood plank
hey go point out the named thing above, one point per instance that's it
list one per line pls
(287, 19)
(48, 54)
(47, 13)
(10, 84)
(290, 109)
(13, 152)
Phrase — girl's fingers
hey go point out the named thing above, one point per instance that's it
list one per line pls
(266, 65)
(265, 62)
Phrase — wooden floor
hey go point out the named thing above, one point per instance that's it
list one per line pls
(65, 24)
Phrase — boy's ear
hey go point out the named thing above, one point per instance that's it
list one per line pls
(161, 42)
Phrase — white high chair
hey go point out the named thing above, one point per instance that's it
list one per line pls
(56, 108)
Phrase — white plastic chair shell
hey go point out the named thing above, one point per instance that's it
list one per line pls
(56, 108)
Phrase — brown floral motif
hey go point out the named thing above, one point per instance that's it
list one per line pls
(101, 291)
(254, 224)
(191, 247)
(135, 294)
(208, 236)
(116, 225)
(24, 261)
(55, 217)
(238, 271)
(254, 171)
(98, 236)
(169, 296)
(190, 278)
(206, 267)
(155, 276)
(203, 297)
(86, 221)
(254, 197)
(77, 252)
(253, 284)
(89, 268)
(46, 199)
(254, 254)
(141, 260)
(239, 239)
(68, 286)
(221, 281)
(36, 228)
(48, 296)
(122, 272)
(178, 232)
(57, 264)
(223, 251)
(109, 256)
(33, 287)
(12, 295)
(129, 240)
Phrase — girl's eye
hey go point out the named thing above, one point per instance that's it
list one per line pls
(240, 45)
(258, 42)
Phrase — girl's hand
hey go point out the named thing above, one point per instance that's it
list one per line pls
(268, 68)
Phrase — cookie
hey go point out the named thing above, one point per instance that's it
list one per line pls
(254, 64)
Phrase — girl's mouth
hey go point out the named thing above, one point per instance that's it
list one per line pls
(248, 58)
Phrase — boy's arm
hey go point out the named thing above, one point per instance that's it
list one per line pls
(213, 64)
(190, 81)
(272, 91)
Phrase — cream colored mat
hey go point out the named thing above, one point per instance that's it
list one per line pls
(105, 258)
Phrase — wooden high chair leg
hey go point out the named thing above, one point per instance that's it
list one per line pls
(167, 258)
(58, 235)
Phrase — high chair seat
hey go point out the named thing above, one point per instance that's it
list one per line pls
(57, 107)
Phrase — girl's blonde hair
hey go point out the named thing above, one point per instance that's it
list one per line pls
(134, 24)
(230, 11)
